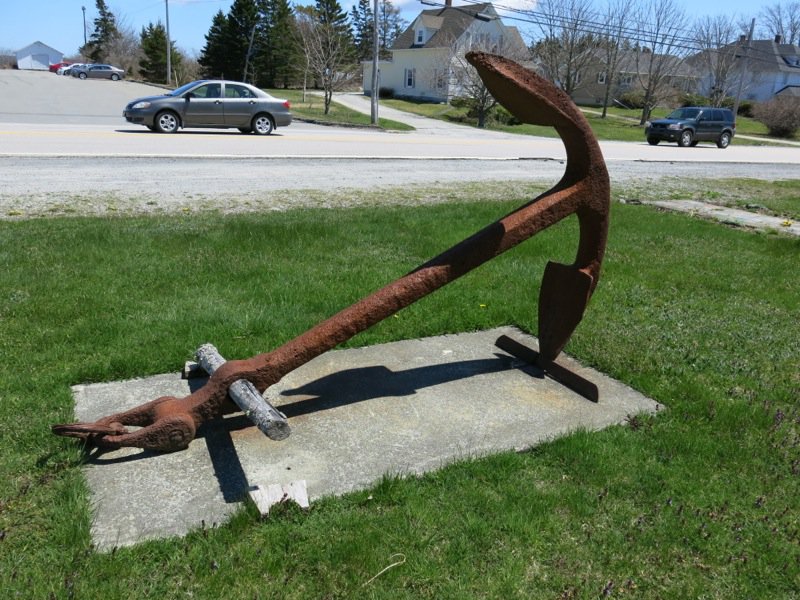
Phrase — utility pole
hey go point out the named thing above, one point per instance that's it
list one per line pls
(83, 8)
(375, 51)
(169, 48)
(249, 52)
(743, 72)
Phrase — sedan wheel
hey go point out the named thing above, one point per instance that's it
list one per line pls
(262, 124)
(685, 139)
(114, 77)
(82, 75)
(167, 122)
(724, 140)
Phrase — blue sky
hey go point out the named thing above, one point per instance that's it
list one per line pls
(59, 23)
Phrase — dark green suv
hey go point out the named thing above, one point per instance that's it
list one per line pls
(693, 124)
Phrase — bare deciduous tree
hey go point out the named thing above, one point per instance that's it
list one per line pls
(125, 49)
(452, 69)
(717, 39)
(660, 28)
(617, 15)
(328, 55)
(782, 19)
(471, 84)
(566, 48)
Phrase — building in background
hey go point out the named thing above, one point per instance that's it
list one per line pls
(38, 57)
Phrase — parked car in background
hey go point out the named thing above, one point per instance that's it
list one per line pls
(69, 68)
(693, 124)
(214, 104)
(56, 66)
(98, 72)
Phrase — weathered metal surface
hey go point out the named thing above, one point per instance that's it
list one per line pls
(170, 423)
(266, 417)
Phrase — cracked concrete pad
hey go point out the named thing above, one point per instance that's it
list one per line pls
(356, 415)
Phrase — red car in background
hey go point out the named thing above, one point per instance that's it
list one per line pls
(55, 67)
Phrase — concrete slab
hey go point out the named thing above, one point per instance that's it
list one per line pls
(735, 216)
(356, 415)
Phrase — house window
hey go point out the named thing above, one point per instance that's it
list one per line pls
(439, 78)
(625, 79)
(601, 78)
(410, 78)
(420, 36)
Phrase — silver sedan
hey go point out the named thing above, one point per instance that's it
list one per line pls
(98, 72)
(211, 104)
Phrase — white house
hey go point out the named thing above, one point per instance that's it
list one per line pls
(424, 56)
(771, 68)
(38, 56)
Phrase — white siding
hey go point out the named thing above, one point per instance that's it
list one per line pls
(38, 57)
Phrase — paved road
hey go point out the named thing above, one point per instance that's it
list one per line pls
(64, 138)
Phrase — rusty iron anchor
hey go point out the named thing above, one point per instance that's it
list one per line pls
(169, 423)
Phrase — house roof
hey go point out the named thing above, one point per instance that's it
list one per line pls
(769, 56)
(450, 23)
(37, 44)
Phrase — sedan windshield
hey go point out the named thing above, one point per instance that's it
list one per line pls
(684, 113)
(183, 88)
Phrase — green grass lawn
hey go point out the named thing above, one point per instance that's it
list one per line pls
(620, 124)
(698, 501)
(312, 107)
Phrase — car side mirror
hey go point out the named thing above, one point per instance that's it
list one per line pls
(189, 96)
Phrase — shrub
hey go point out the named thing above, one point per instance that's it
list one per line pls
(502, 116)
(781, 115)
(632, 99)
(694, 100)
(460, 102)
(745, 108)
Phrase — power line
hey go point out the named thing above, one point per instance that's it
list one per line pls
(660, 38)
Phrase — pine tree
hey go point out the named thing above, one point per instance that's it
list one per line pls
(327, 46)
(277, 49)
(153, 67)
(330, 12)
(105, 32)
(390, 26)
(213, 57)
(239, 36)
(361, 23)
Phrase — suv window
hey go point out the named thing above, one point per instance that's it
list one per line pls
(684, 113)
(717, 115)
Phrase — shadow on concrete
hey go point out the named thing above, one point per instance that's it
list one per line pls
(369, 383)
(342, 388)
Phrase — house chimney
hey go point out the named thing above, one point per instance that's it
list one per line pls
(778, 38)
(448, 2)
